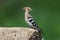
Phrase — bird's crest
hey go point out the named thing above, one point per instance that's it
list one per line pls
(28, 8)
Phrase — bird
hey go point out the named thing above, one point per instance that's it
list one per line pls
(30, 20)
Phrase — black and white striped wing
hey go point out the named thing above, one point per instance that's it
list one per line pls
(34, 25)
(31, 20)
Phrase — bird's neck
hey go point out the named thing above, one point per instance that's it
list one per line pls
(26, 14)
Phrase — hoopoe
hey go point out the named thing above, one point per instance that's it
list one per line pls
(30, 21)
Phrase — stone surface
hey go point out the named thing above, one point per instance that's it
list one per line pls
(18, 34)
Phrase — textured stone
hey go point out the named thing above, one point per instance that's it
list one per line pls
(18, 33)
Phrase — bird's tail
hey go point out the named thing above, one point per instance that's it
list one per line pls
(40, 31)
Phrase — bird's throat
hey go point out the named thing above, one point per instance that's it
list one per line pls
(26, 14)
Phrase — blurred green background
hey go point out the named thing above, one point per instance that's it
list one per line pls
(45, 12)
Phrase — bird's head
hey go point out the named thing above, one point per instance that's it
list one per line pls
(27, 9)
